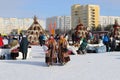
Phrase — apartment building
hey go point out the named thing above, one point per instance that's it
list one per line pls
(62, 22)
(108, 20)
(88, 15)
(9, 24)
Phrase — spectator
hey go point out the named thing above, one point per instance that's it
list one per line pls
(24, 46)
(14, 45)
(1, 41)
(112, 43)
(42, 39)
(106, 41)
(5, 40)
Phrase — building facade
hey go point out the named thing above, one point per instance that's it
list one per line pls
(62, 22)
(9, 24)
(88, 15)
(108, 20)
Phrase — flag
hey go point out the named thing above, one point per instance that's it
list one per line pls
(50, 27)
(54, 25)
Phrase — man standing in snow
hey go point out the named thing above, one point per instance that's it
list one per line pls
(24, 46)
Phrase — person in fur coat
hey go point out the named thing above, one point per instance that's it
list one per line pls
(50, 57)
(63, 56)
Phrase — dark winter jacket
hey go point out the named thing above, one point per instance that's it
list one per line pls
(24, 45)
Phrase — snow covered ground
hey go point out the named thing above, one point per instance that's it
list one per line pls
(101, 66)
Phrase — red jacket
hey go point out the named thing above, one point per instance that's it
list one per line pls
(1, 42)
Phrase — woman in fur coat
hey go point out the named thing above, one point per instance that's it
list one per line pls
(63, 56)
(50, 57)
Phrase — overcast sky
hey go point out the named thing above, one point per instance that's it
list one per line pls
(48, 8)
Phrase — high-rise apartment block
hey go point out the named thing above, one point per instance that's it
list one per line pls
(88, 15)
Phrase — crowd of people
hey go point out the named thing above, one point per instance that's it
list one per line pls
(16, 44)
(56, 46)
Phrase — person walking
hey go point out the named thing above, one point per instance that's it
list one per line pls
(24, 46)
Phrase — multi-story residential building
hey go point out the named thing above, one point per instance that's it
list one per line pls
(62, 22)
(65, 23)
(86, 14)
(108, 20)
(9, 24)
(51, 21)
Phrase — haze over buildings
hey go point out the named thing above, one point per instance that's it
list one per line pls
(62, 22)
(9, 24)
(47, 9)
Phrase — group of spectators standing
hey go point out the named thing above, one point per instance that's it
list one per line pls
(107, 39)
(16, 44)
(55, 47)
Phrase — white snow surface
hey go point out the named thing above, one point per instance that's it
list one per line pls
(92, 66)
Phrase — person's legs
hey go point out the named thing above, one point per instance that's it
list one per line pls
(12, 55)
(83, 51)
(107, 46)
(23, 54)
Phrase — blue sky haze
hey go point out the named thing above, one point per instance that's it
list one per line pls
(48, 8)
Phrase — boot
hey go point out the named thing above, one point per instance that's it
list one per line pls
(67, 59)
(83, 52)
(47, 59)
(79, 52)
(54, 60)
(25, 55)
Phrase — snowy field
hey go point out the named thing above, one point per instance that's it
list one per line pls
(101, 66)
